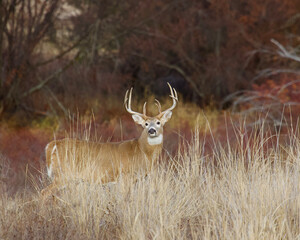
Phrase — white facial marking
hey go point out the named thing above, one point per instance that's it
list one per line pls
(155, 140)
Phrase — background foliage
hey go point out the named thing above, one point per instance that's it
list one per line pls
(70, 54)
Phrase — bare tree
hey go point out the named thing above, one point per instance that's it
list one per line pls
(23, 25)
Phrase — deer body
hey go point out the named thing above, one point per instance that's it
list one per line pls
(108, 159)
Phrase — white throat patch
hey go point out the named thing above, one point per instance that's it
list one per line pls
(155, 140)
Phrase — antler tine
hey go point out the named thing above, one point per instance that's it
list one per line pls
(173, 96)
(127, 103)
(129, 100)
(144, 109)
(125, 99)
(173, 92)
(158, 105)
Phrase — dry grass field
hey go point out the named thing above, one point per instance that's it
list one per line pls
(245, 189)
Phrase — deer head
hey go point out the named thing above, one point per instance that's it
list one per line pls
(153, 126)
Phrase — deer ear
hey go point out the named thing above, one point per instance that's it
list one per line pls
(138, 119)
(166, 117)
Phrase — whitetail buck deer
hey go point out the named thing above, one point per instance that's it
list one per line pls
(109, 158)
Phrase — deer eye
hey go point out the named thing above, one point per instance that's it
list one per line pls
(146, 124)
(158, 122)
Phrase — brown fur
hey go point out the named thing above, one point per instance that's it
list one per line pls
(108, 158)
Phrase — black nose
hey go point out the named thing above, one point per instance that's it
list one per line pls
(152, 131)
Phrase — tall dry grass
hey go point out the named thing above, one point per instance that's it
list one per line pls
(246, 189)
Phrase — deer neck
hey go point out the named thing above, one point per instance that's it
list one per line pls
(149, 145)
(155, 141)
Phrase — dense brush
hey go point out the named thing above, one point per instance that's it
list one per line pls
(245, 190)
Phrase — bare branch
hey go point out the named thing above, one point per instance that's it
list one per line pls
(181, 72)
(61, 106)
(271, 71)
(44, 82)
(283, 52)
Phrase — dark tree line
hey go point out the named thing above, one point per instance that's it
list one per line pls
(59, 54)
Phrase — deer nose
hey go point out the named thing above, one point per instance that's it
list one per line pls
(152, 131)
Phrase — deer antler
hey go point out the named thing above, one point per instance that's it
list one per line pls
(127, 103)
(174, 97)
